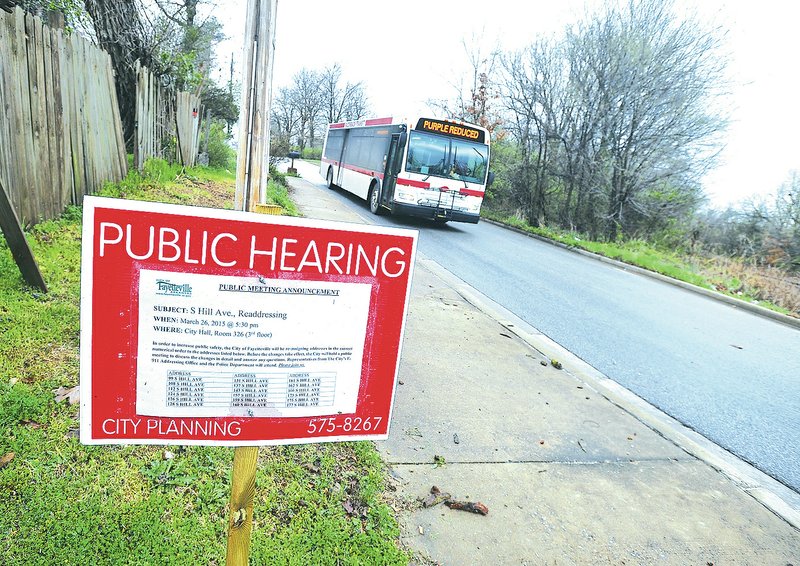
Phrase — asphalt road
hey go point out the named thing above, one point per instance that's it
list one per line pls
(731, 375)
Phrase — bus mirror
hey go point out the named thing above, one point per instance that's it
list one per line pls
(403, 139)
(490, 179)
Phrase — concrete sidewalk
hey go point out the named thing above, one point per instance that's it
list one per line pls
(573, 469)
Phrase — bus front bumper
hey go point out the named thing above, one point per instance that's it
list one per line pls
(434, 213)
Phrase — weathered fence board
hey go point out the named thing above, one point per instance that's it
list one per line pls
(187, 115)
(36, 77)
(152, 112)
(60, 131)
(65, 107)
(20, 109)
(20, 250)
(6, 162)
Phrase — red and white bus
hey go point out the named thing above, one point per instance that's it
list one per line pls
(431, 168)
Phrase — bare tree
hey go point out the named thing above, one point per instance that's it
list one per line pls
(313, 100)
(783, 225)
(341, 102)
(284, 117)
(617, 119)
(533, 94)
(653, 79)
(787, 204)
(305, 95)
(474, 95)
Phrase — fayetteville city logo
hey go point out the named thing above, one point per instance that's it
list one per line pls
(171, 289)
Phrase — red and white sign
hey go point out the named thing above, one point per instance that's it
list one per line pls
(205, 326)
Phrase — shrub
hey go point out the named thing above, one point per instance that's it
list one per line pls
(220, 153)
(313, 153)
(279, 148)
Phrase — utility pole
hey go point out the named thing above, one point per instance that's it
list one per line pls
(230, 93)
(252, 166)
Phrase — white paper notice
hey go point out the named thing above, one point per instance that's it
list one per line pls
(218, 346)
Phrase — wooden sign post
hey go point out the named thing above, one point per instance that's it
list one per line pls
(240, 520)
(243, 486)
(10, 226)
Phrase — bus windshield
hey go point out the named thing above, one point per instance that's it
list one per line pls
(440, 156)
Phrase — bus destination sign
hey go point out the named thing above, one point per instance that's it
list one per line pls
(451, 129)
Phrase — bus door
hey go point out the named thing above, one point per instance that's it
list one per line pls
(394, 160)
(339, 167)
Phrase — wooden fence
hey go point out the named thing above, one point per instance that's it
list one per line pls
(155, 112)
(60, 132)
(165, 120)
(187, 114)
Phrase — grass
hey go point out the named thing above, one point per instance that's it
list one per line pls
(769, 288)
(200, 186)
(164, 182)
(278, 192)
(741, 278)
(65, 503)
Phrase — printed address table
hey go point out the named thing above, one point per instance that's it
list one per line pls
(250, 390)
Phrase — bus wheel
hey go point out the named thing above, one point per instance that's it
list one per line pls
(330, 177)
(375, 199)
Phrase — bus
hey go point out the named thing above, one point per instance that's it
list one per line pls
(428, 168)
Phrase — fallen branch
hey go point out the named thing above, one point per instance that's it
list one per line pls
(476, 507)
(435, 497)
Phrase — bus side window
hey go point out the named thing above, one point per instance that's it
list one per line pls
(333, 149)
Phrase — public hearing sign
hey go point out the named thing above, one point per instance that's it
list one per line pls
(206, 326)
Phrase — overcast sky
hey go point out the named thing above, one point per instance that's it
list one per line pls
(409, 52)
